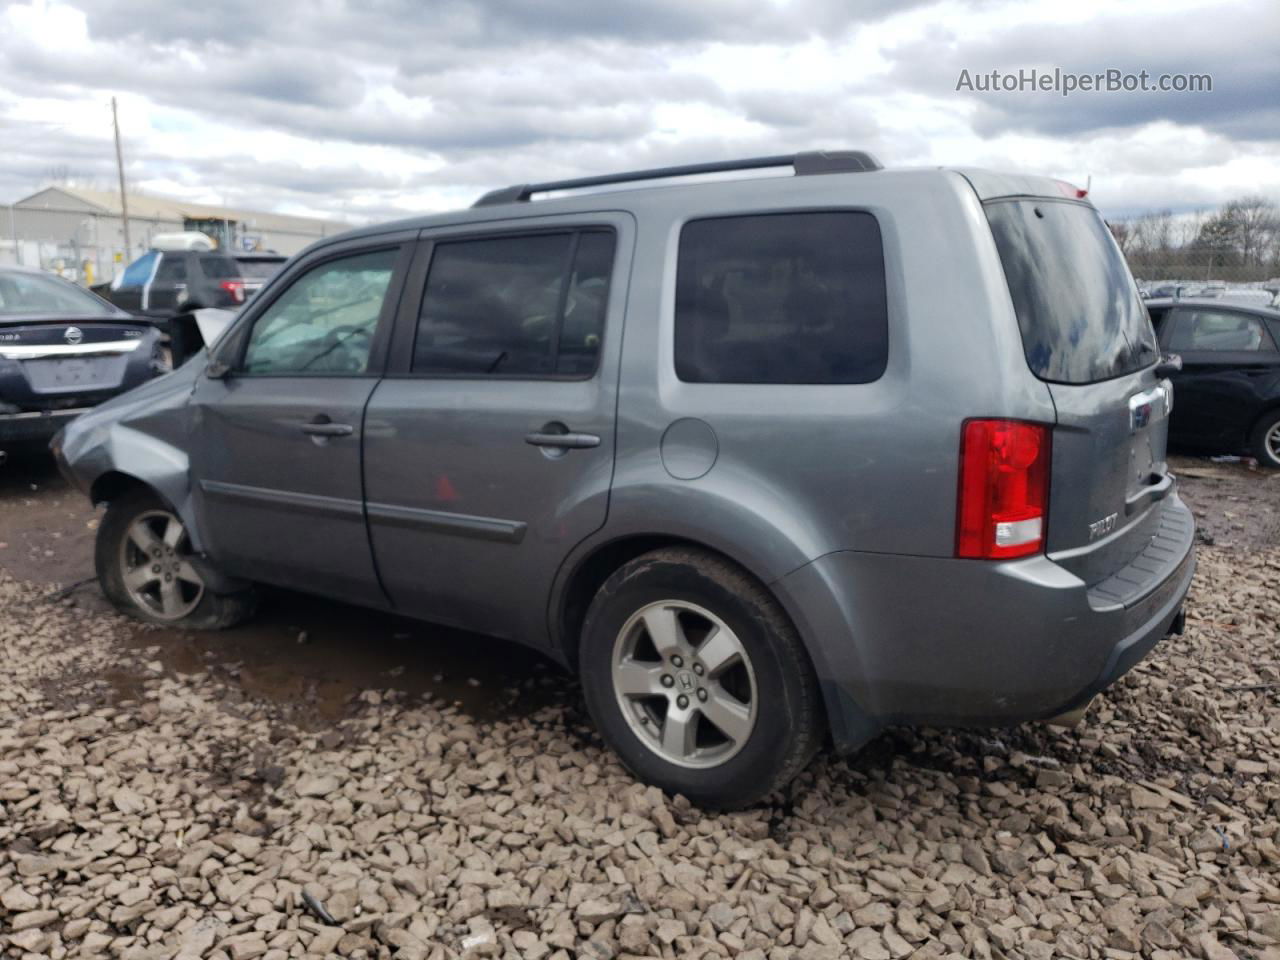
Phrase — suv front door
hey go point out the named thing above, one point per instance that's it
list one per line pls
(489, 443)
(280, 421)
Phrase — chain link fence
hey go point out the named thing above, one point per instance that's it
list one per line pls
(1191, 268)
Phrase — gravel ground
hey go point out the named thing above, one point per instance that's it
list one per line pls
(155, 805)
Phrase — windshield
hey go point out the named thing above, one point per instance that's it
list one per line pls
(1078, 308)
(24, 293)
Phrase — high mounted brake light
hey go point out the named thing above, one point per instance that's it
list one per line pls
(1071, 190)
(1003, 501)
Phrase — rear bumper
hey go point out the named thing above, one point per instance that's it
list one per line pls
(35, 427)
(923, 640)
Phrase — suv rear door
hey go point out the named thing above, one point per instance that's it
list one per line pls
(489, 443)
(168, 288)
(1086, 333)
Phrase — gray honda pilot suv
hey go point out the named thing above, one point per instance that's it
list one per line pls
(767, 460)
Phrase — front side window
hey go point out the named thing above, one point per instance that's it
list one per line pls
(530, 306)
(138, 272)
(1226, 330)
(325, 321)
(781, 298)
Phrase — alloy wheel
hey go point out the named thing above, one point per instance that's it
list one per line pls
(684, 683)
(155, 564)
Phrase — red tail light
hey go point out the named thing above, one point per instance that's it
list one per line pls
(1004, 489)
(235, 288)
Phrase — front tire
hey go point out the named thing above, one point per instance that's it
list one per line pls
(697, 679)
(1264, 442)
(143, 558)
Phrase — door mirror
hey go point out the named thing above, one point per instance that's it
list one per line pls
(217, 370)
(1169, 363)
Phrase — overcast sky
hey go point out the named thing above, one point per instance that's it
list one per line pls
(376, 109)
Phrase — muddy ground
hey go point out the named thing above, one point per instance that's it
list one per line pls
(309, 655)
(333, 782)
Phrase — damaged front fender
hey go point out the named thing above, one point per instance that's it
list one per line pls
(142, 435)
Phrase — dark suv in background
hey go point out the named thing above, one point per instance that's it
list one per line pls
(162, 284)
(257, 268)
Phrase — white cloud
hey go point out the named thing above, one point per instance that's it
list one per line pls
(382, 108)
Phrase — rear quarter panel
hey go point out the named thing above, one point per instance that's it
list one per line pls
(801, 471)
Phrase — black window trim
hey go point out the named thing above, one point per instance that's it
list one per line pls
(674, 289)
(419, 278)
(236, 343)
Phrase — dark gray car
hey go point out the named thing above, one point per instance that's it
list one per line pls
(766, 460)
(63, 350)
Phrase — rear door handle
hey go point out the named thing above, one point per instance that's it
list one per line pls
(567, 441)
(327, 429)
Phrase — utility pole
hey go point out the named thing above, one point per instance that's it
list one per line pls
(124, 200)
(13, 233)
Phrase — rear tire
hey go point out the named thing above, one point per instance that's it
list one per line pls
(143, 560)
(1264, 442)
(697, 679)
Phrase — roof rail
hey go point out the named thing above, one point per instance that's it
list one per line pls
(805, 164)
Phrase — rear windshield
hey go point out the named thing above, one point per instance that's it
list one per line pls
(1078, 308)
(254, 269)
(23, 293)
(219, 268)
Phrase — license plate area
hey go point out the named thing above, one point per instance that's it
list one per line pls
(70, 374)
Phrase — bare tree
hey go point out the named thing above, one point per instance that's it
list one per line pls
(1253, 223)
(1153, 232)
(1123, 231)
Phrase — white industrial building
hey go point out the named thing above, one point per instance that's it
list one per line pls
(79, 232)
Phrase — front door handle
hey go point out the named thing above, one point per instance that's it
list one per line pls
(566, 441)
(326, 429)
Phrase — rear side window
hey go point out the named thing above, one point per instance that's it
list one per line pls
(219, 268)
(1078, 308)
(173, 269)
(781, 298)
(529, 306)
(1227, 330)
